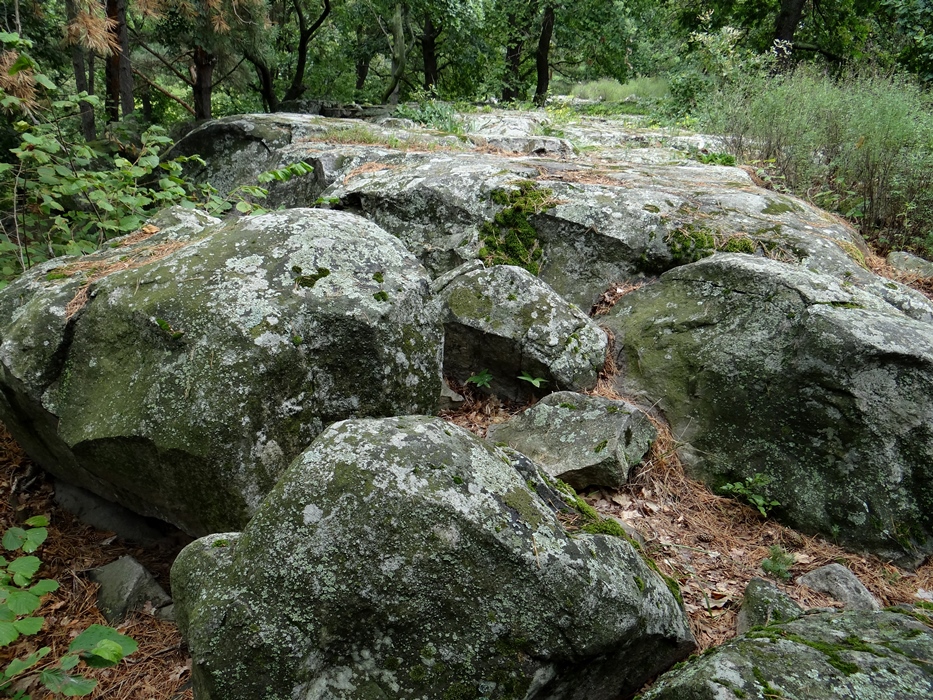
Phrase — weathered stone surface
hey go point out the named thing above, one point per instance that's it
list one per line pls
(581, 440)
(186, 385)
(840, 583)
(406, 558)
(826, 390)
(506, 320)
(829, 656)
(125, 586)
(911, 264)
(764, 604)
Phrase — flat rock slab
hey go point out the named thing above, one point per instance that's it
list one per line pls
(827, 656)
(581, 440)
(179, 375)
(407, 558)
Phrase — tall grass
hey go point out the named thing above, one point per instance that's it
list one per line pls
(860, 145)
(608, 90)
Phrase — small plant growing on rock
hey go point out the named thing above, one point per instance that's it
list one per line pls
(536, 382)
(98, 646)
(751, 491)
(481, 379)
(778, 563)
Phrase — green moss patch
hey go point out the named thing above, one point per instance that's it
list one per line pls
(690, 243)
(510, 239)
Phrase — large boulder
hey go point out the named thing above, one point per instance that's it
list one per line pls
(823, 389)
(506, 320)
(828, 656)
(406, 558)
(581, 440)
(206, 357)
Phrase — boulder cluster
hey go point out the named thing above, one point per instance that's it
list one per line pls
(271, 385)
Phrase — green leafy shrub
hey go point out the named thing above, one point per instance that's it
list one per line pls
(63, 195)
(20, 596)
(752, 492)
(432, 113)
(860, 145)
(609, 90)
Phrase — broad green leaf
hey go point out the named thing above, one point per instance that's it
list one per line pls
(8, 633)
(14, 538)
(17, 666)
(244, 207)
(34, 538)
(87, 640)
(44, 586)
(29, 625)
(44, 81)
(22, 602)
(105, 653)
(23, 62)
(58, 681)
(69, 661)
(6, 615)
(27, 566)
(37, 521)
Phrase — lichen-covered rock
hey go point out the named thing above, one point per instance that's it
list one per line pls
(205, 359)
(910, 264)
(839, 582)
(506, 320)
(764, 604)
(827, 656)
(406, 558)
(435, 203)
(824, 389)
(581, 440)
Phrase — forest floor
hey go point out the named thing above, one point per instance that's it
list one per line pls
(710, 544)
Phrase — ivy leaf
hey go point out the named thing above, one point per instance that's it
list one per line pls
(17, 666)
(44, 586)
(14, 538)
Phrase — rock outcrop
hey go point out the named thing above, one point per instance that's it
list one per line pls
(822, 388)
(179, 375)
(507, 319)
(827, 656)
(406, 558)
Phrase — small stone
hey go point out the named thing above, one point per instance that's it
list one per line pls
(837, 581)
(763, 605)
(126, 585)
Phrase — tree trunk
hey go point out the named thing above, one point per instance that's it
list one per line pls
(88, 126)
(399, 54)
(363, 58)
(266, 83)
(429, 55)
(296, 88)
(786, 25)
(542, 64)
(119, 72)
(202, 79)
(511, 90)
